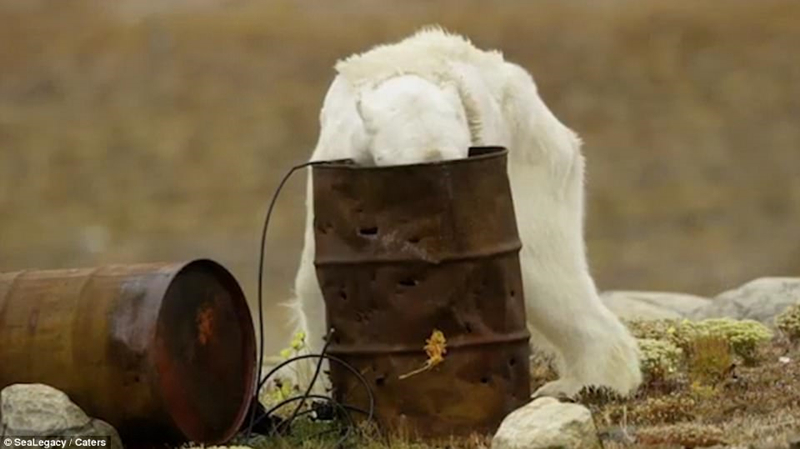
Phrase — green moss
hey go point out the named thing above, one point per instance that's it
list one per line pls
(671, 330)
(659, 358)
(743, 336)
(788, 322)
(653, 329)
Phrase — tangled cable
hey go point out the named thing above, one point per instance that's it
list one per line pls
(324, 407)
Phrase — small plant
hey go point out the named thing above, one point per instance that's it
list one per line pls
(659, 359)
(542, 367)
(663, 329)
(710, 359)
(279, 391)
(282, 388)
(675, 331)
(295, 347)
(788, 322)
(702, 392)
(744, 336)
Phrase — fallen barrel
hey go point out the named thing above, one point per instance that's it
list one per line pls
(402, 251)
(163, 352)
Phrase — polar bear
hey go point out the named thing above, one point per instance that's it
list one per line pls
(430, 97)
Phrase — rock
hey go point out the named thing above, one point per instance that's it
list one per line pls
(794, 441)
(652, 305)
(761, 300)
(547, 423)
(37, 410)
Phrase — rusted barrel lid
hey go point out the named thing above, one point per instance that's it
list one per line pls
(204, 352)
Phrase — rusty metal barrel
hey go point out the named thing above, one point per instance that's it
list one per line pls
(405, 250)
(163, 352)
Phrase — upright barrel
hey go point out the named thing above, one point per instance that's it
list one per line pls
(402, 251)
(163, 352)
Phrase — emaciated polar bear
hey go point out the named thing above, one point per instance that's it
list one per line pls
(430, 97)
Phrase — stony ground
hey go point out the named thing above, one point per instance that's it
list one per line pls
(749, 405)
(740, 390)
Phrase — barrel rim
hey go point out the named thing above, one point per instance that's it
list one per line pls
(489, 152)
(227, 278)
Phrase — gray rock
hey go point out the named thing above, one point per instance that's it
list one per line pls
(794, 441)
(761, 300)
(35, 410)
(547, 423)
(652, 305)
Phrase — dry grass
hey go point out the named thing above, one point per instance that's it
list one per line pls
(710, 360)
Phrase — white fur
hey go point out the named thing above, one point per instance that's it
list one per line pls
(431, 96)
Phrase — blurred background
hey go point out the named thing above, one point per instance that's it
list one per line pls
(150, 130)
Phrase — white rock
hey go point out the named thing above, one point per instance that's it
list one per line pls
(36, 409)
(652, 305)
(547, 423)
(31, 410)
(761, 300)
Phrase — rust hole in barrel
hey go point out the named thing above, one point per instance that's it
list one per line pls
(485, 380)
(468, 328)
(368, 231)
(512, 361)
(380, 381)
(409, 282)
(414, 240)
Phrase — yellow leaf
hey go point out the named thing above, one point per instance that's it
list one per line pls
(435, 347)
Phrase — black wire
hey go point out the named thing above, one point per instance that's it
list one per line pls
(331, 358)
(307, 395)
(261, 283)
(371, 410)
(370, 413)
(313, 379)
(340, 406)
